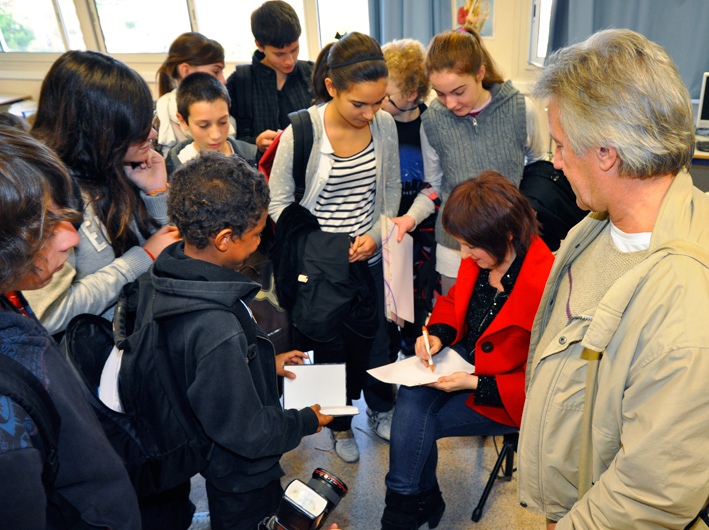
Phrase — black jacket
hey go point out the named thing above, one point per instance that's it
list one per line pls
(234, 397)
(91, 475)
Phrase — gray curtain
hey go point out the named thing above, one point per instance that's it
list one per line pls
(680, 26)
(414, 19)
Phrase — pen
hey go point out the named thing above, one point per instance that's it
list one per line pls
(428, 347)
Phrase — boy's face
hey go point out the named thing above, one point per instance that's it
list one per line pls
(396, 98)
(281, 59)
(240, 249)
(208, 124)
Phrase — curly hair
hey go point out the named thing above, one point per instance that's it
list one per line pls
(213, 192)
(36, 192)
(485, 211)
(618, 89)
(405, 61)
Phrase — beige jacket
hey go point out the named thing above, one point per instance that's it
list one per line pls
(650, 430)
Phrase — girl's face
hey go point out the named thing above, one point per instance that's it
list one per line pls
(138, 152)
(358, 104)
(482, 258)
(459, 93)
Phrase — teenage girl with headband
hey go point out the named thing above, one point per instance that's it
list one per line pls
(478, 123)
(189, 53)
(353, 167)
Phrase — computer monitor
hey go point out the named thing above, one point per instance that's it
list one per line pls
(703, 110)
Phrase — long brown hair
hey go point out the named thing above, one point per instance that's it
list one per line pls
(192, 48)
(462, 51)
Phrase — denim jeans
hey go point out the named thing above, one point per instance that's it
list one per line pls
(422, 416)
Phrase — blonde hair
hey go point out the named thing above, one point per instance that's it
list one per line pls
(405, 60)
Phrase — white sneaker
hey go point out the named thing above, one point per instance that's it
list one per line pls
(381, 422)
(345, 445)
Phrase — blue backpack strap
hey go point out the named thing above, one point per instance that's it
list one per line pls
(302, 146)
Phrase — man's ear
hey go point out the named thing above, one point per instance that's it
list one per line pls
(607, 157)
(183, 122)
(223, 239)
(184, 70)
(413, 96)
(259, 46)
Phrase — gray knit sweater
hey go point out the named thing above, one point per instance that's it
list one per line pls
(494, 140)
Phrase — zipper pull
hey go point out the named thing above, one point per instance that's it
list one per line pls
(475, 124)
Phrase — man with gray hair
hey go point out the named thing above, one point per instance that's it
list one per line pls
(616, 422)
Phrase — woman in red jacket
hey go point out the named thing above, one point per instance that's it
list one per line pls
(487, 318)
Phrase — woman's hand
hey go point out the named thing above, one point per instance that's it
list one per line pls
(290, 357)
(149, 176)
(420, 347)
(362, 248)
(456, 381)
(406, 223)
(167, 235)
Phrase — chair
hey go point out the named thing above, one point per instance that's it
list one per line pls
(507, 456)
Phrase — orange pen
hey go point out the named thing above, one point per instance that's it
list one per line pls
(428, 347)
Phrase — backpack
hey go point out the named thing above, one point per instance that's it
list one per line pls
(157, 436)
(549, 193)
(22, 387)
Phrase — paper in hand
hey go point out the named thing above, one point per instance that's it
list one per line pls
(321, 384)
(412, 372)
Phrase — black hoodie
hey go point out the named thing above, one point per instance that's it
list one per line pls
(235, 399)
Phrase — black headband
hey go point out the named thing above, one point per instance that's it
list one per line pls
(355, 61)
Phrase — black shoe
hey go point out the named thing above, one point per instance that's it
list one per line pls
(400, 512)
(430, 507)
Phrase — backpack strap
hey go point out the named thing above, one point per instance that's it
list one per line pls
(243, 100)
(20, 385)
(302, 146)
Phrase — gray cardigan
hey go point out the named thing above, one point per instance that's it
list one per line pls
(386, 150)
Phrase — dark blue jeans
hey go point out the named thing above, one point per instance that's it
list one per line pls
(422, 416)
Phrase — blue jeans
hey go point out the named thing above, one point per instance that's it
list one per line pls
(422, 416)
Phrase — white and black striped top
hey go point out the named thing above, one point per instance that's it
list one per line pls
(346, 203)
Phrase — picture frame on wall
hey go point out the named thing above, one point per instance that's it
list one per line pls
(480, 14)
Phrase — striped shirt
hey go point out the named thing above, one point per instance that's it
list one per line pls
(346, 203)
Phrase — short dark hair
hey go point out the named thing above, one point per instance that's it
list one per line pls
(213, 192)
(485, 211)
(199, 86)
(32, 178)
(275, 23)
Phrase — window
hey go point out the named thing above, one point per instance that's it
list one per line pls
(149, 26)
(539, 36)
(37, 26)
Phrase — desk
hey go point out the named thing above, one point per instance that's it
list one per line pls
(9, 99)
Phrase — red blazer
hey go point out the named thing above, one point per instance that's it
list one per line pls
(503, 347)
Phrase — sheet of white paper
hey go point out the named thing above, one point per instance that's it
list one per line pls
(340, 411)
(321, 384)
(398, 259)
(412, 372)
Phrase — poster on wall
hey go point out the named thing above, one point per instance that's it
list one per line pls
(480, 14)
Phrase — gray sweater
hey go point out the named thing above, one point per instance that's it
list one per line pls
(494, 140)
(92, 277)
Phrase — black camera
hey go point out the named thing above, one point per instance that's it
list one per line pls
(306, 506)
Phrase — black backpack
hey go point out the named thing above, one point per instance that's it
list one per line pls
(22, 387)
(240, 90)
(157, 436)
